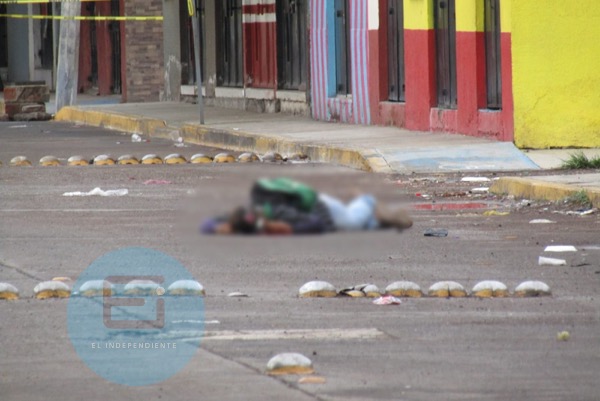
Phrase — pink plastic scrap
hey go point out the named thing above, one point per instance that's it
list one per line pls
(387, 300)
(156, 182)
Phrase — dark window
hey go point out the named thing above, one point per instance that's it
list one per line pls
(396, 50)
(114, 28)
(292, 49)
(492, 54)
(186, 36)
(342, 51)
(445, 39)
(229, 43)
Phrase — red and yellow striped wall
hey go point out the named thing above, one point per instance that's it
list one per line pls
(420, 111)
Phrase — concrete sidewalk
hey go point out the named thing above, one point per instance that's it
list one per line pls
(370, 148)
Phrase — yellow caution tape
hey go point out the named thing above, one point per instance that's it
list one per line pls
(86, 17)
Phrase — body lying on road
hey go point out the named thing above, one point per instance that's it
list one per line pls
(285, 206)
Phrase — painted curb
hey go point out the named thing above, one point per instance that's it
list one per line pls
(367, 160)
(541, 190)
(116, 121)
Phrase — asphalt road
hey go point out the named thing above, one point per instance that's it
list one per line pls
(423, 349)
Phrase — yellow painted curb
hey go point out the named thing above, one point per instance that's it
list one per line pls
(111, 120)
(247, 142)
(226, 139)
(541, 190)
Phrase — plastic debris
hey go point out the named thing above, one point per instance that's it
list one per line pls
(99, 192)
(77, 161)
(20, 161)
(51, 289)
(490, 289)
(200, 158)
(311, 380)
(436, 232)
(445, 289)
(387, 300)
(475, 179)
(541, 221)
(289, 363)
(315, 289)
(480, 190)
(404, 289)
(175, 158)
(136, 138)
(495, 213)
(47, 161)
(157, 182)
(96, 288)
(186, 287)
(560, 248)
(237, 294)
(532, 289)
(8, 291)
(563, 336)
(544, 261)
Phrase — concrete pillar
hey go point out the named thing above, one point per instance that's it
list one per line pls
(20, 44)
(210, 51)
(171, 51)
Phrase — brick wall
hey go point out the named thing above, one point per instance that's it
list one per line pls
(143, 52)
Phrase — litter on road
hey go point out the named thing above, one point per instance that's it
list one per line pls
(99, 192)
(387, 300)
(560, 248)
(436, 232)
(541, 221)
(544, 261)
(475, 179)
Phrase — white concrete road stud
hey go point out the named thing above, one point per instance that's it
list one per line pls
(404, 289)
(175, 158)
(200, 158)
(96, 288)
(8, 291)
(490, 289)
(186, 288)
(532, 289)
(317, 289)
(445, 289)
(104, 160)
(48, 161)
(128, 159)
(151, 159)
(224, 158)
(20, 161)
(289, 363)
(272, 157)
(51, 289)
(142, 287)
(248, 157)
(362, 290)
(77, 161)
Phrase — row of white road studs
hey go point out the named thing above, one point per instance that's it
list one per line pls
(173, 158)
(59, 287)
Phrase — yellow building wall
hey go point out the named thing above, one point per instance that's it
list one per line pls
(556, 73)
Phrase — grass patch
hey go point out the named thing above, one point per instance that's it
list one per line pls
(579, 160)
(579, 198)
